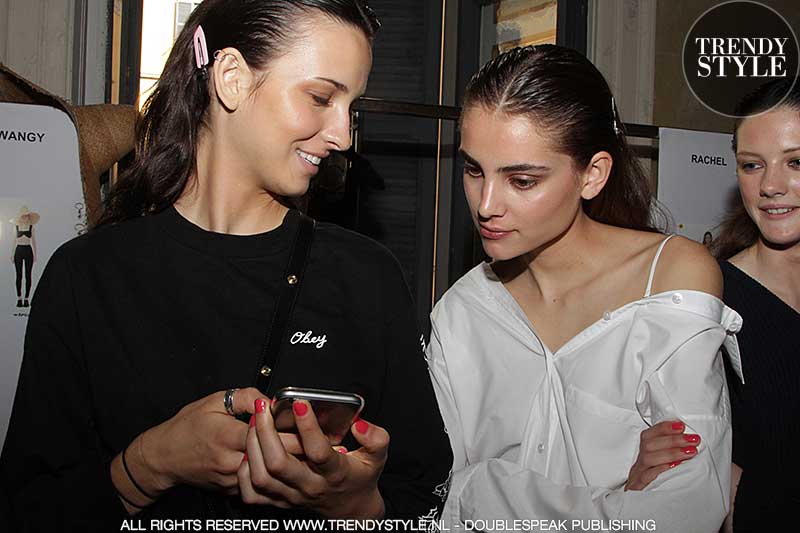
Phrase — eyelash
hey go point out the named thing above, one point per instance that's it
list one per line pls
(750, 166)
(523, 183)
(520, 183)
(473, 171)
(321, 100)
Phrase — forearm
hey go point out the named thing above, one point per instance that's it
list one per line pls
(736, 475)
(501, 490)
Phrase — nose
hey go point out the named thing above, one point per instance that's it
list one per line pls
(773, 181)
(491, 204)
(337, 131)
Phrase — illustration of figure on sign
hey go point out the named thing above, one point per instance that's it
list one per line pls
(24, 253)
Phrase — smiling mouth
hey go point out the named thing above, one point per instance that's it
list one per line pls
(779, 210)
(314, 160)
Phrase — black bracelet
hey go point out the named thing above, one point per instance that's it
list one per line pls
(126, 500)
(135, 484)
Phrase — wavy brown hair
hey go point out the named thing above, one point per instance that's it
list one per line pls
(175, 113)
(737, 230)
(565, 94)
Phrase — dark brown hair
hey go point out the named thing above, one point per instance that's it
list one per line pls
(167, 132)
(568, 97)
(738, 231)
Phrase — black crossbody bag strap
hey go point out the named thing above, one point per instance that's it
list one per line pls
(218, 505)
(290, 288)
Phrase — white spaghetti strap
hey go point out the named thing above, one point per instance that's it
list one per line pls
(653, 266)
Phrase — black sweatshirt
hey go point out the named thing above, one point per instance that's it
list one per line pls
(765, 410)
(133, 321)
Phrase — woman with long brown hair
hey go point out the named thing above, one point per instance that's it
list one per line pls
(587, 328)
(154, 331)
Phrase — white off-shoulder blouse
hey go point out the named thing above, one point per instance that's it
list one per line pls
(552, 435)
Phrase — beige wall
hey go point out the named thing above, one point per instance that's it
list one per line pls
(621, 45)
(674, 105)
(36, 41)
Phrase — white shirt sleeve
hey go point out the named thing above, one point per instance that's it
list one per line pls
(693, 497)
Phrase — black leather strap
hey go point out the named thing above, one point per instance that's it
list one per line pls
(291, 283)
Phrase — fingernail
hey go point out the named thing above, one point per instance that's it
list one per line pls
(694, 439)
(341, 450)
(272, 402)
(678, 426)
(362, 427)
(676, 463)
(261, 405)
(300, 409)
(689, 450)
(252, 421)
(244, 459)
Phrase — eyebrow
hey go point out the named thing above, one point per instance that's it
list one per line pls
(341, 86)
(788, 150)
(519, 167)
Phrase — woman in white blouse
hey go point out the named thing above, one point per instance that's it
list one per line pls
(587, 328)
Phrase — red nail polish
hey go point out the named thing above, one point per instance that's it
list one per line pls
(362, 427)
(694, 439)
(261, 405)
(676, 463)
(252, 421)
(689, 450)
(300, 409)
(677, 426)
(244, 459)
(341, 450)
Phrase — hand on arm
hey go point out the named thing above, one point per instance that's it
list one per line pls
(662, 447)
(325, 480)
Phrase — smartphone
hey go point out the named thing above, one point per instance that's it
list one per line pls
(335, 410)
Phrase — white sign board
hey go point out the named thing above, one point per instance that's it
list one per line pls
(41, 207)
(696, 178)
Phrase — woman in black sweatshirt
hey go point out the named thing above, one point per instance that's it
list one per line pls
(201, 279)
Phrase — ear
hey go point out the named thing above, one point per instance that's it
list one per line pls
(595, 175)
(233, 79)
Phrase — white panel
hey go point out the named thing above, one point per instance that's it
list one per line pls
(697, 176)
(40, 171)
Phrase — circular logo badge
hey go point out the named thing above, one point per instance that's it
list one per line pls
(735, 47)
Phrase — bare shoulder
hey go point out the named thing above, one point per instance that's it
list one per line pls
(685, 264)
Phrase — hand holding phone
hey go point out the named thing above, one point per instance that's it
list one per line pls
(335, 410)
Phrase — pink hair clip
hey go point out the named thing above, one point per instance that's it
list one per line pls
(200, 48)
